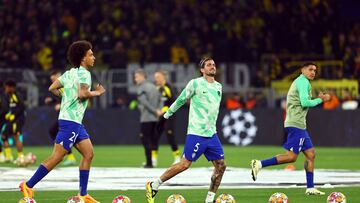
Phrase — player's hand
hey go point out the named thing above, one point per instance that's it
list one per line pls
(324, 97)
(159, 113)
(57, 107)
(100, 89)
(48, 100)
(9, 117)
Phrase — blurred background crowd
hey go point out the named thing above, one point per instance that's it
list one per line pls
(268, 34)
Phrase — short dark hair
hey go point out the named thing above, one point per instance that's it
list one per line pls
(163, 72)
(203, 60)
(308, 64)
(10, 83)
(77, 51)
(141, 72)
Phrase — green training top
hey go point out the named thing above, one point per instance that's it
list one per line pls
(298, 101)
(205, 100)
(72, 107)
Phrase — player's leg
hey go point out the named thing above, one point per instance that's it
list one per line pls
(145, 135)
(2, 156)
(153, 187)
(7, 130)
(169, 131)
(63, 143)
(19, 145)
(215, 154)
(86, 149)
(310, 154)
(47, 165)
(193, 149)
(154, 143)
(293, 146)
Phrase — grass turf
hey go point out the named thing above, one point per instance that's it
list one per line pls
(192, 196)
(118, 156)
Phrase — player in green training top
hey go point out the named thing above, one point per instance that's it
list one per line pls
(297, 105)
(76, 84)
(204, 94)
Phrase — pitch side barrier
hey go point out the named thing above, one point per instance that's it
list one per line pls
(238, 127)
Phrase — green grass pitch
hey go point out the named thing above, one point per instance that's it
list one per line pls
(116, 156)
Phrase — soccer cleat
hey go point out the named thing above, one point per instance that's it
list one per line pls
(27, 192)
(9, 159)
(314, 191)
(2, 158)
(255, 168)
(150, 193)
(68, 162)
(88, 199)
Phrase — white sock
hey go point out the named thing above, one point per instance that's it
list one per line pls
(157, 182)
(210, 197)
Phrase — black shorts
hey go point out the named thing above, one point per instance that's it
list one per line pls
(13, 128)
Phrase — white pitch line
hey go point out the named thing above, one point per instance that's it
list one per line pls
(135, 178)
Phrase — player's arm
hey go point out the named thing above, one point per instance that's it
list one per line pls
(55, 88)
(185, 95)
(305, 100)
(85, 93)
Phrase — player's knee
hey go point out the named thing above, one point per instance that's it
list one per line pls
(292, 158)
(185, 165)
(88, 155)
(221, 166)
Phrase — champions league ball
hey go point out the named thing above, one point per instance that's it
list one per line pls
(225, 198)
(175, 198)
(278, 198)
(121, 199)
(21, 161)
(239, 127)
(27, 200)
(75, 199)
(30, 158)
(336, 197)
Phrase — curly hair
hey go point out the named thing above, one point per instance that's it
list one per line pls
(77, 51)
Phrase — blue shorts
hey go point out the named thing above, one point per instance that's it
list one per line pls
(195, 146)
(298, 140)
(70, 133)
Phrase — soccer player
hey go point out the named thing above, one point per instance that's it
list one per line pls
(149, 106)
(167, 98)
(204, 94)
(298, 100)
(2, 121)
(54, 129)
(14, 120)
(76, 83)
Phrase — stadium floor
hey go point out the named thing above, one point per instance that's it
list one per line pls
(103, 178)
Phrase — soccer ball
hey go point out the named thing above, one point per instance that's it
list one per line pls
(121, 199)
(27, 200)
(225, 198)
(336, 197)
(30, 158)
(175, 198)
(75, 199)
(21, 161)
(278, 198)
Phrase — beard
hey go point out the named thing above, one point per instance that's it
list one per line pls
(211, 74)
